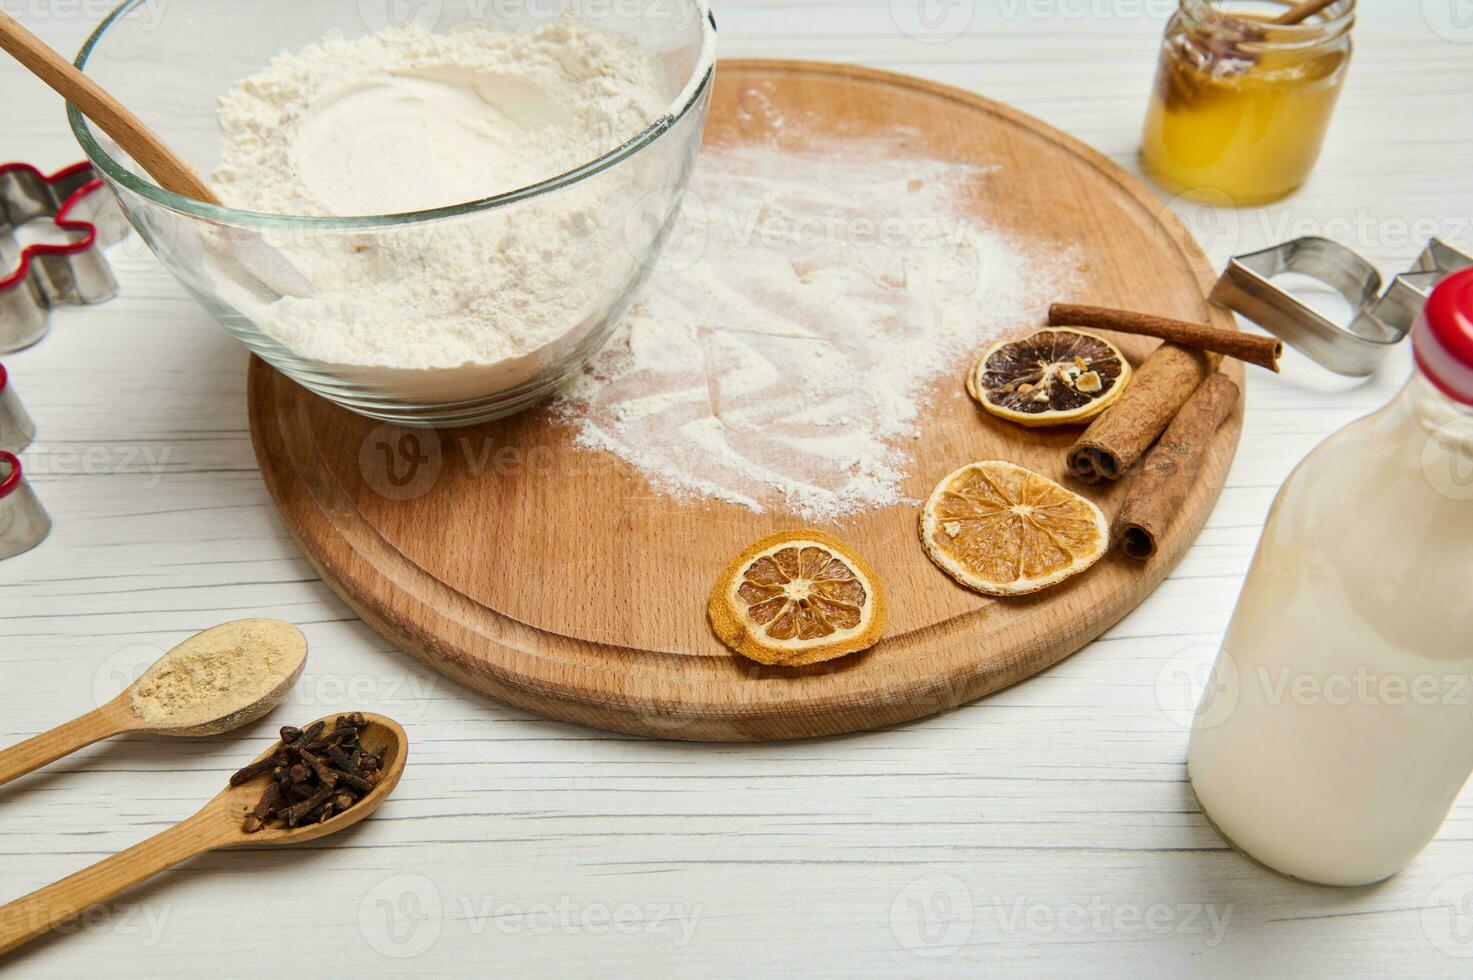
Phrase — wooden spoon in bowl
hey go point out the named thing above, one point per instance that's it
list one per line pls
(279, 647)
(111, 116)
(215, 826)
(243, 250)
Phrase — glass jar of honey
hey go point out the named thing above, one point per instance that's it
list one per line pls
(1241, 104)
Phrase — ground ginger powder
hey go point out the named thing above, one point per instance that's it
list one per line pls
(221, 674)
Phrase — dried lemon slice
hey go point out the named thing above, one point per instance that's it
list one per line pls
(798, 597)
(1003, 530)
(1055, 377)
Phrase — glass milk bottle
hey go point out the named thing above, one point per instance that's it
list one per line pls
(1337, 728)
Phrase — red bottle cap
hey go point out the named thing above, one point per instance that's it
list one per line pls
(1443, 337)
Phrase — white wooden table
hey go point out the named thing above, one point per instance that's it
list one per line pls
(1047, 829)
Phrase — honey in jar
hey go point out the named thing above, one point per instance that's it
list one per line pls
(1241, 105)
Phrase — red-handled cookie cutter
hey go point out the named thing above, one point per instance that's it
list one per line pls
(24, 523)
(45, 275)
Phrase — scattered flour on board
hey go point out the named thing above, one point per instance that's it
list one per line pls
(787, 344)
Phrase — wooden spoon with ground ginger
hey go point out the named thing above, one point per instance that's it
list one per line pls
(213, 682)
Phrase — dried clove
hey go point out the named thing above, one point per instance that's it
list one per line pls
(360, 783)
(253, 770)
(294, 813)
(268, 801)
(313, 775)
(324, 775)
(303, 735)
(341, 735)
(342, 760)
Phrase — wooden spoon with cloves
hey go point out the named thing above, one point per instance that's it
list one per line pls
(221, 823)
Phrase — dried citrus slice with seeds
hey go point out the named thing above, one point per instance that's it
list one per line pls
(1000, 529)
(1055, 377)
(796, 598)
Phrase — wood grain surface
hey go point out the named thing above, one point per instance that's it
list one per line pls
(558, 581)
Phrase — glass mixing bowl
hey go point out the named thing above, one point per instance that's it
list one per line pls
(170, 63)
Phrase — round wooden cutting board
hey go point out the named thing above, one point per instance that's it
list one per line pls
(557, 580)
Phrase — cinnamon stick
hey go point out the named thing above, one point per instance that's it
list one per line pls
(1120, 436)
(1249, 347)
(1172, 467)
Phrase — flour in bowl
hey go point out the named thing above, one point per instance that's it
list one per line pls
(398, 122)
(784, 352)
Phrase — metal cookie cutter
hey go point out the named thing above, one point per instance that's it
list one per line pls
(23, 521)
(43, 275)
(1380, 322)
(16, 430)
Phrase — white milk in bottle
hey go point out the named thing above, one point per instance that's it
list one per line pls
(1337, 728)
